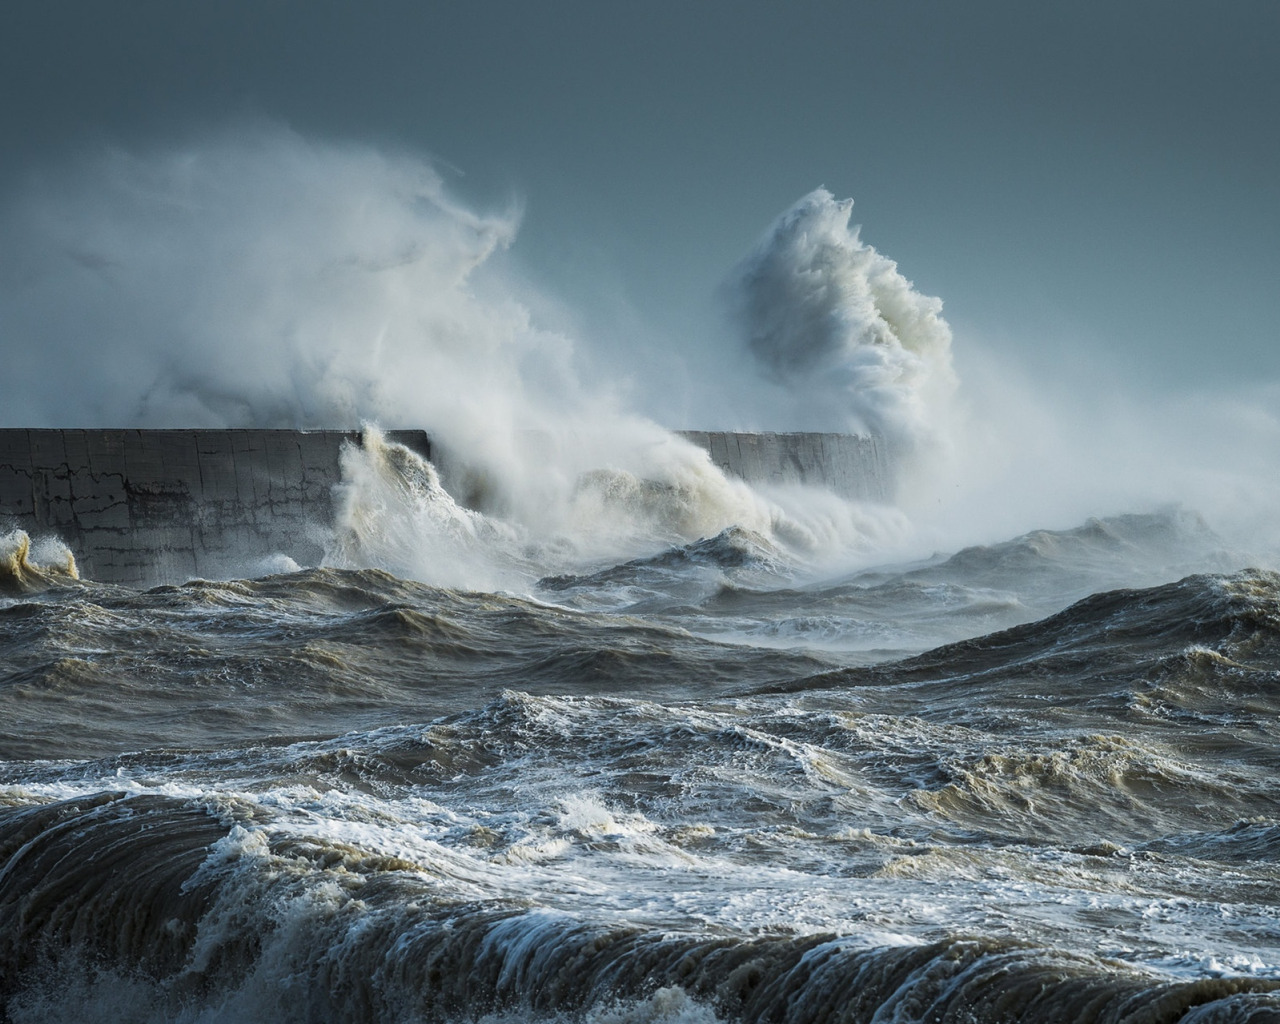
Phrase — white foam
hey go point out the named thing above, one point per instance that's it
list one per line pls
(834, 321)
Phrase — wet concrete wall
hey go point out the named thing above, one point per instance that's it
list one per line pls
(851, 465)
(151, 506)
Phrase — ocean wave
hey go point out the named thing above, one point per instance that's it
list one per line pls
(27, 568)
(1115, 638)
(321, 651)
(211, 918)
(1099, 546)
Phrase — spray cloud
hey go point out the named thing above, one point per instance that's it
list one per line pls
(258, 278)
(833, 321)
(252, 279)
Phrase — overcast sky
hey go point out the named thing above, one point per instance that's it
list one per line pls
(1071, 178)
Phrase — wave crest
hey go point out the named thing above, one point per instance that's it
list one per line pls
(28, 568)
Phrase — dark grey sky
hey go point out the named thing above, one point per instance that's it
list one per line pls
(1068, 177)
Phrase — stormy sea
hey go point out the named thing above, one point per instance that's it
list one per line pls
(1032, 780)
(605, 735)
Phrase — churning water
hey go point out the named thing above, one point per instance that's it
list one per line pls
(602, 735)
(706, 784)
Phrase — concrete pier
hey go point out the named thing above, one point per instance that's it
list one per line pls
(142, 507)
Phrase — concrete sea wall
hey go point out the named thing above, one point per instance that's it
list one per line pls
(141, 507)
(851, 465)
(149, 506)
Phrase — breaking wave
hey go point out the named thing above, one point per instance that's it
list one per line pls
(200, 906)
(397, 511)
(26, 568)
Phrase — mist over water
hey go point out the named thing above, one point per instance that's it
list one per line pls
(255, 277)
(259, 279)
(569, 725)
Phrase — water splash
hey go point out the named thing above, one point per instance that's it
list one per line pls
(834, 321)
(27, 567)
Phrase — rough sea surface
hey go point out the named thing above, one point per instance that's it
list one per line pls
(1032, 781)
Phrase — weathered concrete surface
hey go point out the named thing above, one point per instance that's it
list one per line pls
(850, 465)
(153, 506)
(156, 506)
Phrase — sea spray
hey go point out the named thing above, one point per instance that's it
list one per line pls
(254, 277)
(643, 492)
(391, 512)
(835, 322)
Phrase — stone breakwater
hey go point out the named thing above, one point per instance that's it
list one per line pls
(142, 507)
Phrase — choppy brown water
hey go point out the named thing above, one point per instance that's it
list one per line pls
(988, 787)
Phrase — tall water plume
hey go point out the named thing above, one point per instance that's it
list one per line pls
(835, 322)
